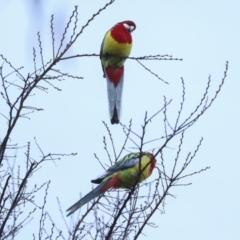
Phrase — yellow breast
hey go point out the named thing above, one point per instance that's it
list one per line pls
(111, 46)
(129, 176)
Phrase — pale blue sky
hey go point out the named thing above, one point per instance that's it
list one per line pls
(205, 34)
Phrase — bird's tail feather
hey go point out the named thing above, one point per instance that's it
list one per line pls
(115, 118)
(100, 189)
(115, 96)
(91, 195)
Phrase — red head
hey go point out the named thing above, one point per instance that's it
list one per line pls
(153, 162)
(129, 25)
(121, 32)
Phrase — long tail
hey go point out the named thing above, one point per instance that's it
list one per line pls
(100, 189)
(115, 116)
(115, 77)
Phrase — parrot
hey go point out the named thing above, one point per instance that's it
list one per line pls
(125, 173)
(115, 48)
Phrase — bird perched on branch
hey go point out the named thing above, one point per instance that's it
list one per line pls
(125, 173)
(115, 48)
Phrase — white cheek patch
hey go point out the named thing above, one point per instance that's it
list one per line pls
(127, 26)
(131, 28)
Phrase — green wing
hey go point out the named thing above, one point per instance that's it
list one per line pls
(128, 161)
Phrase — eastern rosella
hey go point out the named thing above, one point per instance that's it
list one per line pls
(115, 48)
(123, 174)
